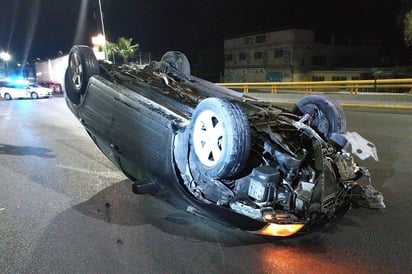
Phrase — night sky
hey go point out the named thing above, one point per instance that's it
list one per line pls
(31, 29)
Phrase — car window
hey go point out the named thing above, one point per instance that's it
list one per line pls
(9, 85)
(15, 86)
(18, 86)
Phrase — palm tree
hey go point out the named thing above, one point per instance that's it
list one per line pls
(111, 50)
(125, 48)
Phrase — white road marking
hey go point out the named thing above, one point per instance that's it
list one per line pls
(106, 174)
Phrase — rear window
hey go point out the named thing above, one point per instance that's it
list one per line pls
(33, 86)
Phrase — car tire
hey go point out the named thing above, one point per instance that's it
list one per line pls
(71, 96)
(327, 117)
(219, 138)
(7, 96)
(177, 60)
(34, 95)
(82, 65)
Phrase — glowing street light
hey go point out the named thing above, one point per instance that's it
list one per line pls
(99, 40)
(99, 44)
(5, 56)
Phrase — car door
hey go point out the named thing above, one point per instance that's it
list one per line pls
(96, 110)
(142, 136)
(21, 91)
(15, 91)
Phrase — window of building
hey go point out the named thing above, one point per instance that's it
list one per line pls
(258, 55)
(287, 55)
(355, 78)
(260, 38)
(274, 76)
(318, 78)
(242, 56)
(248, 40)
(229, 57)
(278, 53)
(339, 78)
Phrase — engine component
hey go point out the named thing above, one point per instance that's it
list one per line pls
(262, 186)
(346, 165)
(246, 210)
(215, 191)
(338, 140)
(284, 196)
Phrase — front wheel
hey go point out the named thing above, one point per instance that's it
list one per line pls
(7, 96)
(219, 138)
(177, 60)
(326, 116)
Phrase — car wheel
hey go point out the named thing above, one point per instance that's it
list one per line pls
(7, 96)
(327, 117)
(82, 65)
(219, 138)
(34, 95)
(177, 60)
(70, 95)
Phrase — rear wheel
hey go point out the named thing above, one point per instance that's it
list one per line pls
(34, 95)
(326, 116)
(82, 65)
(7, 96)
(219, 138)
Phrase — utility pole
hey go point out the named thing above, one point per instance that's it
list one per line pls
(103, 32)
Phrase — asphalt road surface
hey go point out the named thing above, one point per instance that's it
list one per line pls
(64, 208)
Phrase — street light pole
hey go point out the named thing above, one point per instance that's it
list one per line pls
(103, 32)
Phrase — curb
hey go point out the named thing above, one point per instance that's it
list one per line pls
(390, 102)
(367, 106)
(354, 105)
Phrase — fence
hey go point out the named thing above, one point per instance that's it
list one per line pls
(354, 86)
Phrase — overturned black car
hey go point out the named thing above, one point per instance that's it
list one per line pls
(217, 153)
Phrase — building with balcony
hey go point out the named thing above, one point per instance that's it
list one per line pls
(293, 55)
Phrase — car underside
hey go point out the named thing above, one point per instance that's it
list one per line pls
(218, 153)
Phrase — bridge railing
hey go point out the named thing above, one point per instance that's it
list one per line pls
(353, 86)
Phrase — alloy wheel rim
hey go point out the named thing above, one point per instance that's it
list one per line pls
(208, 138)
(76, 71)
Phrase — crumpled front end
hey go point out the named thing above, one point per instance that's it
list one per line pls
(294, 178)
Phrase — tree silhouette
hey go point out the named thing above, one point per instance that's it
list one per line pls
(125, 48)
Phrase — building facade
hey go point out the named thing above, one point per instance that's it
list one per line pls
(294, 55)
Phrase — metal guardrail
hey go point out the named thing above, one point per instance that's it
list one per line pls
(353, 86)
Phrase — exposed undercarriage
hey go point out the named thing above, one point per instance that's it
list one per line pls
(293, 175)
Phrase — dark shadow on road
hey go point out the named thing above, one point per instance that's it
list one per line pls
(26, 150)
(114, 227)
(118, 205)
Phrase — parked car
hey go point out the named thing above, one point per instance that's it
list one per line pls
(15, 91)
(218, 153)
